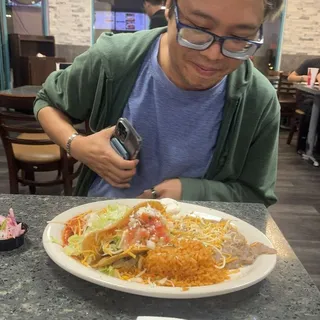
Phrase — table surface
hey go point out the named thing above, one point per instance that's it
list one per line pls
(25, 91)
(34, 287)
(303, 87)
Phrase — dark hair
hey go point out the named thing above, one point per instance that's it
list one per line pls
(155, 2)
(272, 8)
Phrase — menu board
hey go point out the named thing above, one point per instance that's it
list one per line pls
(131, 21)
(104, 20)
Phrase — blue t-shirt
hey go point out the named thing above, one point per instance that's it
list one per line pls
(179, 129)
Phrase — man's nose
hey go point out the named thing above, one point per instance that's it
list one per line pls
(213, 52)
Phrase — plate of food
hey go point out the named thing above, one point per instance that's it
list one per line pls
(160, 248)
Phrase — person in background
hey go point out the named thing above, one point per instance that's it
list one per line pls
(301, 74)
(155, 11)
(209, 120)
(304, 100)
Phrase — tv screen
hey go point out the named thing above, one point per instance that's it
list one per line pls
(63, 65)
(17, 4)
(131, 21)
(104, 20)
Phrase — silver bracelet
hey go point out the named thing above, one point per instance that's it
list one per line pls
(68, 145)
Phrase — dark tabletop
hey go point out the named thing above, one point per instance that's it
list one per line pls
(303, 87)
(25, 91)
(34, 287)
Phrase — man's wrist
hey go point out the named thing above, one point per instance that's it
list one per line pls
(74, 136)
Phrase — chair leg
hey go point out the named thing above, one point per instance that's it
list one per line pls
(67, 181)
(291, 134)
(13, 178)
(67, 184)
(293, 129)
(30, 176)
(59, 174)
(14, 184)
(23, 176)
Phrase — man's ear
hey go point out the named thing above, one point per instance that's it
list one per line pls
(168, 6)
(166, 14)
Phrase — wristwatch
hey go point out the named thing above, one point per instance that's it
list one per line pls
(68, 145)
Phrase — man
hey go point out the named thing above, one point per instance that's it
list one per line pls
(304, 100)
(301, 74)
(154, 9)
(208, 119)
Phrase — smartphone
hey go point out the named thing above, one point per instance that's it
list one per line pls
(125, 140)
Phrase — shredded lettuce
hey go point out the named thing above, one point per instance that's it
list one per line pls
(105, 217)
(110, 271)
(74, 247)
(55, 240)
(115, 243)
(96, 221)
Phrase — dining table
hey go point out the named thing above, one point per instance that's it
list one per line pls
(24, 91)
(33, 287)
(19, 98)
(312, 132)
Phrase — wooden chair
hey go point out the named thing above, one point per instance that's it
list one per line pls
(274, 77)
(296, 119)
(29, 150)
(287, 98)
(295, 124)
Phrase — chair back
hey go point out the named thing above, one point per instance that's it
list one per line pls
(286, 90)
(20, 129)
(273, 77)
(14, 124)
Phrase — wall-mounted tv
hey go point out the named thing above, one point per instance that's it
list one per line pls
(121, 21)
(104, 20)
(131, 21)
(13, 3)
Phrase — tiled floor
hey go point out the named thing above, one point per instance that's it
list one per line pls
(297, 212)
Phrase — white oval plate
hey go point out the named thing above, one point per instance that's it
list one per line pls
(247, 277)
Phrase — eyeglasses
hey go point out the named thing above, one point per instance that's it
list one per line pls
(198, 39)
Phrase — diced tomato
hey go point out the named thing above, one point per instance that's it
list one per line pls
(67, 233)
(150, 228)
(145, 218)
(130, 236)
(143, 233)
(73, 226)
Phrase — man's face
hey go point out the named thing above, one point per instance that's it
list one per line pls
(147, 8)
(200, 70)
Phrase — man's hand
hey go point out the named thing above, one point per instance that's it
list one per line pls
(294, 77)
(167, 189)
(96, 152)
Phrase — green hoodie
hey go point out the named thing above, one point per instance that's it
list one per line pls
(97, 87)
